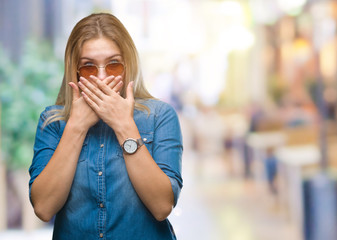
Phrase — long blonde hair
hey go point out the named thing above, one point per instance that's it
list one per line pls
(91, 27)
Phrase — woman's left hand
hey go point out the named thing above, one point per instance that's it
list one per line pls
(112, 108)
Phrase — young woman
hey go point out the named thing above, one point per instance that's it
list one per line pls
(107, 155)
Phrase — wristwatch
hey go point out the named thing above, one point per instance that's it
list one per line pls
(130, 145)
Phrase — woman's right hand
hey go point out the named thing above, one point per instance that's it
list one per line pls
(81, 113)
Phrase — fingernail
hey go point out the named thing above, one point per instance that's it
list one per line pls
(95, 79)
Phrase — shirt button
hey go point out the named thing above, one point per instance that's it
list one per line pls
(100, 173)
(102, 145)
(101, 205)
(101, 235)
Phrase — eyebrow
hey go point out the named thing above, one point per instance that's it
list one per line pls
(115, 55)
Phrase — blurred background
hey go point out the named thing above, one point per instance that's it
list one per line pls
(254, 84)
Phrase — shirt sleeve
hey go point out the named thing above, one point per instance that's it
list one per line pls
(168, 147)
(46, 141)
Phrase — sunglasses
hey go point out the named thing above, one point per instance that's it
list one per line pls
(115, 69)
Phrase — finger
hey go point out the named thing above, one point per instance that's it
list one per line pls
(118, 87)
(90, 80)
(102, 86)
(87, 86)
(89, 93)
(129, 92)
(109, 79)
(76, 91)
(90, 102)
(115, 82)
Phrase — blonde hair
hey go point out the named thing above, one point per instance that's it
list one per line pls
(91, 27)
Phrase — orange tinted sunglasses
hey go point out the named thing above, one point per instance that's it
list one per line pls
(115, 69)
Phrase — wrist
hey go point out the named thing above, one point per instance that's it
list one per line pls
(126, 130)
(76, 127)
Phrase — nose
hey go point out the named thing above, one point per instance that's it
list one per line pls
(101, 73)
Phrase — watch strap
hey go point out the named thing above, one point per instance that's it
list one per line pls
(140, 142)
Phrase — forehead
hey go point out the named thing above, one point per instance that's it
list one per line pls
(99, 48)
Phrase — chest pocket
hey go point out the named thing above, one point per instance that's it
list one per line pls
(148, 141)
(84, 152)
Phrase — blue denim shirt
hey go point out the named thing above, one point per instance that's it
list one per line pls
(102, 202)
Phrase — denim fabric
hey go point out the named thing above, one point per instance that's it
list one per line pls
(106, 206)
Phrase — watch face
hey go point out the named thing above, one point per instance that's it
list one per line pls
(130, 146)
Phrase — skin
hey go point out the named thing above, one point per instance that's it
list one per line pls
(100, 99)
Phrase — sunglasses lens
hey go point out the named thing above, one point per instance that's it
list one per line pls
(115, 69)
(86, 71)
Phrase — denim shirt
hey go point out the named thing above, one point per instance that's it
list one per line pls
(102, 203)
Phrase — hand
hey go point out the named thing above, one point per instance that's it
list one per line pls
(113, 109)
(80, 112)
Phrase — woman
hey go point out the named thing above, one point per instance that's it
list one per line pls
(107, 155)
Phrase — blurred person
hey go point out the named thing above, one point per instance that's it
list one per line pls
(270, 163)
(107, 155)
(330, 100)
(255, 115)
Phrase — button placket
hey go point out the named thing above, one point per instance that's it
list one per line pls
(101, 183)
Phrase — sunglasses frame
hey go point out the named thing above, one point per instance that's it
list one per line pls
(94, 65)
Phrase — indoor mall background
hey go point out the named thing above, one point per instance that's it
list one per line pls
(254, 83)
